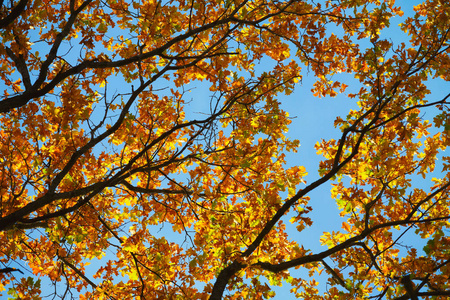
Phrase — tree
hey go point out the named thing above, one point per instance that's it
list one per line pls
(100, 148)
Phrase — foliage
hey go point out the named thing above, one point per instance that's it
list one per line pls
(100, 149)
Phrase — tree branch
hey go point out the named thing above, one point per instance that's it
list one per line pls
(14, 14)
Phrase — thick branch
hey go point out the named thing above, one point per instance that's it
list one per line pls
(14, 14)
(223, 278)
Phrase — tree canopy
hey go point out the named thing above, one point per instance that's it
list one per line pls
(102, 147)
